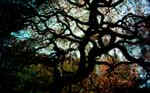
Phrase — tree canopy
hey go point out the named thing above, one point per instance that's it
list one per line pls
(74, 46)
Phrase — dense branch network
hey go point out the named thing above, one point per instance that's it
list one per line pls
(86, 37)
